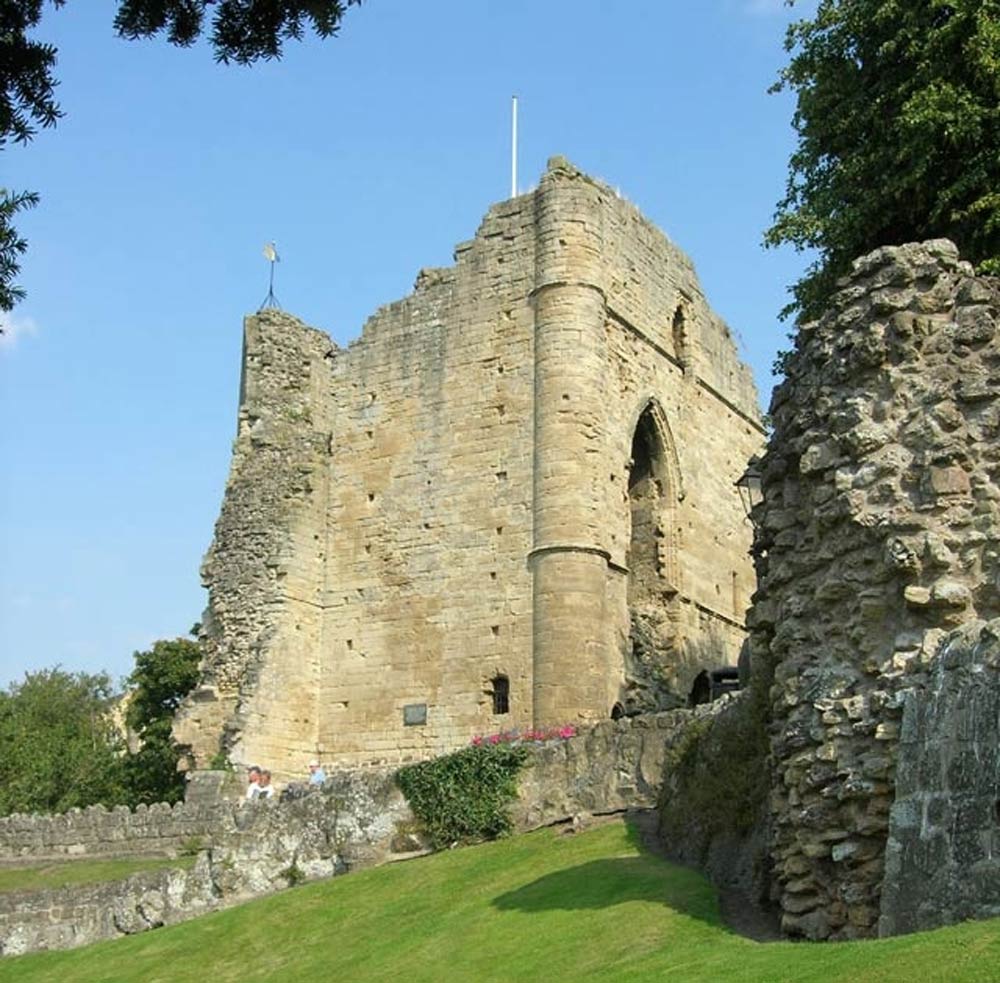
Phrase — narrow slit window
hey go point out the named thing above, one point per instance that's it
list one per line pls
(681, 345)
(501, 694)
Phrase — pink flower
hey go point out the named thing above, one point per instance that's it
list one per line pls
(477, 740)
(494, 738)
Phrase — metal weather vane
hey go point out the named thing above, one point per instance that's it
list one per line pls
(270, 301)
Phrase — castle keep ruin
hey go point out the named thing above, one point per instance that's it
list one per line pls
(509, 503)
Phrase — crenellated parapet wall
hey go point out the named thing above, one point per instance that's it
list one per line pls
(611, 766)
(157, 830)
(880, 533)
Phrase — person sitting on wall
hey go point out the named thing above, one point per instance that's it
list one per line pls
(253, 782)
(316, 774)
(266, 789)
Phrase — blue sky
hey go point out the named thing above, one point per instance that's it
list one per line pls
(365, 158)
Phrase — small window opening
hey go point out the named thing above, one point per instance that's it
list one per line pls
(680, 338)
(501, 694)
(617, 712)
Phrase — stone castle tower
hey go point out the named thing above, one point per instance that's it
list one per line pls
(509, 503)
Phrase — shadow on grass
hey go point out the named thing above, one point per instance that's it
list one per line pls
(614, 881)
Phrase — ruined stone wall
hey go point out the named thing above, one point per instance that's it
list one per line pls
(713, 805)
(64, 918)
(446, 501)
(358, 819)
(264, 568)
(157, 830)
(943, 853)
(880, 533)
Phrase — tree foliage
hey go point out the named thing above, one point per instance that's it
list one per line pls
(61, 739)
(27, 101)
(898, 122)
(243, 31)
(59, 747)
(162, 677)
(12, 245)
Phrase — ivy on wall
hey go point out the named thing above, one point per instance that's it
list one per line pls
(462, 797)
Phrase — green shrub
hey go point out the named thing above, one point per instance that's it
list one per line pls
(463, 797)
(293, 875)
(191, 847)
(220, 762)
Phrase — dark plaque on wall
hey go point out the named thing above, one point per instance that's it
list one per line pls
(415, 714)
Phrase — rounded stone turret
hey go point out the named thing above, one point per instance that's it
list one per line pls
(569, 557)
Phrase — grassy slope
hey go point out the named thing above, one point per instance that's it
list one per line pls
(79, 872)
(539, 907)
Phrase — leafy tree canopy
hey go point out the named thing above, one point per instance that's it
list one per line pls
(898, 120)
(59, 747)
(243, 31)
(162, 677)
(61, 740)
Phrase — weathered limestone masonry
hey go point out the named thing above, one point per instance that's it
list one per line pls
(358, 819)
(880, 534)
(509, 503)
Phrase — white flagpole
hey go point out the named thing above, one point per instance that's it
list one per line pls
(513, 148)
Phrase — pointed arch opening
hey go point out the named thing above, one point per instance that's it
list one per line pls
(654, 487)
(653, 589)
(645, 490)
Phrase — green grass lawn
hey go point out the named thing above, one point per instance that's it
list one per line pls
(67, 872)
(541, 907)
